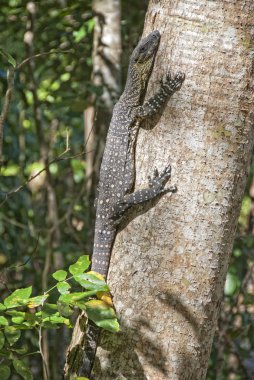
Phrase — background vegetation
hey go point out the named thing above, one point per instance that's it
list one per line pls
(44, 223)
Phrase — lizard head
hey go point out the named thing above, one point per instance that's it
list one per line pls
(143, 56)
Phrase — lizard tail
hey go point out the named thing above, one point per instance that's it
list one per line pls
(103, 242)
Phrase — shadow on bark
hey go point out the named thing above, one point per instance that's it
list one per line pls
(122, 360)
(123, 349)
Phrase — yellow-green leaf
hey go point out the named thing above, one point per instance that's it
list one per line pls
(91, 281)
(2, 307)
(37, 301)
(18, 298)
(3, 321)
(102, 315)
(80, 266)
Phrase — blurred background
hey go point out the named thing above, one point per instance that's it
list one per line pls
(57, 121)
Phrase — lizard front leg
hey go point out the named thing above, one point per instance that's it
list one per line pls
(168, 87)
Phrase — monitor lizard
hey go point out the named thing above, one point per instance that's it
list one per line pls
(117, 172)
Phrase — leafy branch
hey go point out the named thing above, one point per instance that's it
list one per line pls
(19, 312)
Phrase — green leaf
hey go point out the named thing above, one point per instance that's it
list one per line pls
(5, 372)
(56, 319)
(12, 334)
(90, 24)
(90, 281)
(99, 309)
(18, 298)
(2, 340)
(73, 298)
(80, 266)
(65, 77)
(10, 170)
(78, 166)
(15, 313)
(22, 369)
(17, 320)
(3, 321)
(79, 34)
(64, 309)
(230, 284)
(17, 316)
(60, 275)
(21, 351)
(37, 301)
(111, 325)
(48, 310)
(36, 166)
(102, 315)
(63, 287)
(9, 58)
(32, 319)
(2, 307)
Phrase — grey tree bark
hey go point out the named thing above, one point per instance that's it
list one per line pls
(168, 265)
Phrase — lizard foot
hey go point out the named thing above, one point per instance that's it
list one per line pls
(170, 85)
(158, 181)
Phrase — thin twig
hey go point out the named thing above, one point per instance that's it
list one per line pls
(42, 355)
(14, 222)
(8, 95)
(30, 256)
(6, 270)
(40, 55)
(56, 159)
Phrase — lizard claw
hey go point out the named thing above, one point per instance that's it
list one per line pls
(159, 179)
(152, 179)
(179, 79)
(173, 84)
(170, 189)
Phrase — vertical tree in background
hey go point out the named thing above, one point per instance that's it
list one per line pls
(52, 256)
(168, 265)
(106, 81)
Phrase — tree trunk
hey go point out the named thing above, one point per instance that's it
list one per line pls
(168, 265)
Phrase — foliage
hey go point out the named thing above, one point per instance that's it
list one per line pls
(19, 312)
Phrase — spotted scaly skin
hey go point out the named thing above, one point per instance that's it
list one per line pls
(117, 173)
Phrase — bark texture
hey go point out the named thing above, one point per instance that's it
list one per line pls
(168, 265)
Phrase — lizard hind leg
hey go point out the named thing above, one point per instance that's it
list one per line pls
(156, 187)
